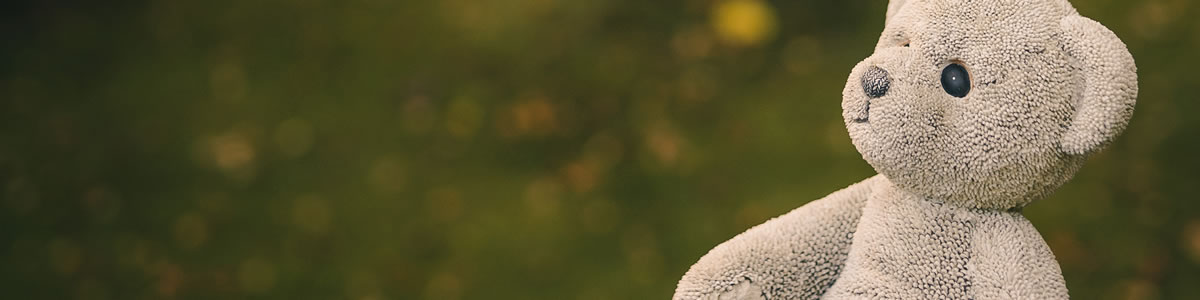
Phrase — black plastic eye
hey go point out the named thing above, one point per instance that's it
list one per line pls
(955, 80)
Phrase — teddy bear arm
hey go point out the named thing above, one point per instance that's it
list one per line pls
(794, 256)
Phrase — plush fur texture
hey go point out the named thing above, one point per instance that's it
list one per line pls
(797, 255)
(942, 220)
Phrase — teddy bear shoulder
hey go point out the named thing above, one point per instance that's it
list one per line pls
(794, 256)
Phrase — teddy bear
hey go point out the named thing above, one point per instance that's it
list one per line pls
(969, 110)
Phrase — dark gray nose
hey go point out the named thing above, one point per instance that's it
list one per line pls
(875, 82)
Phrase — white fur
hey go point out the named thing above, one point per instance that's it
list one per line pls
(942, 220)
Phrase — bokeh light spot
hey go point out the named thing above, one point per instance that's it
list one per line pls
(1150, 18)
(191, 230)
(1191, 239)
(1139, 289)
(234, 153)
(102, 204)
(582, 176)
(444, 285)
(445, 204)
(1069, 251)
(535, 116)
(256, 275)
(744, 22)
(138, 256)
(749, 215)
(543, 197)
(65, 256)
(490, 21)
(387, 175)
(311, 214)
(664, 143)
(692, 43)
(170, 279)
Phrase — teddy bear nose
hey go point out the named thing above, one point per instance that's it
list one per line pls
(875, 82)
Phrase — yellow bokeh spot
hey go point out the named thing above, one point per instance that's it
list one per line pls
(445, 204)
(1191, 239)
(535, 116)
(1140, 289)
(311, 214)
(743, 22)
(692, 43)
(387, 175)
(542, 197)
(256, 275)
(191, 231)
(102, 204)
(582, 176)
(664, 143)
(170, 279)
(65, 256)
(444, 285)
(232, 151)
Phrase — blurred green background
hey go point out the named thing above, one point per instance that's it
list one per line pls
(487, 149)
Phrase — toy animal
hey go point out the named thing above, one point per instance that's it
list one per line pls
(969, 110)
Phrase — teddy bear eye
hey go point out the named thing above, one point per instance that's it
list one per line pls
(956, 81)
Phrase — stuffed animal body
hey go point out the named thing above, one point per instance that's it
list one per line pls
(969, 110)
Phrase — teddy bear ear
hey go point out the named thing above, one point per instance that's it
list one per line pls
(1105, 103)
(892, 9)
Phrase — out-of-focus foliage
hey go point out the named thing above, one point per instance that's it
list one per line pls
(488, 149)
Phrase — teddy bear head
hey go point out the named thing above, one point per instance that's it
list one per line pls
(988, 104)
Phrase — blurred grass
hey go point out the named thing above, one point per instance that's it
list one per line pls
(467, 149)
